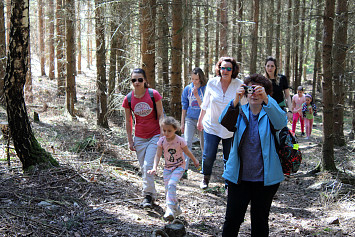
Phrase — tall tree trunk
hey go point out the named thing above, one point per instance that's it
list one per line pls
(79, 38)
(88, 36)
(185, 44)
(26, 145)
(2, 51)
(300, 68)
(278, 35)
(70, 40)
(115, 13)
(295, 40)
(234, 28)
(163, 51)
(176, 51)
(223, 29)
(240, 32)
(61, 67)
(198, 37)
(270, 28)
(254, 38)
(340, 48)
(191, 40)
(123, 70)
(288, 43)
(41, 37)
(328, 134)
(317, 50)
(147, 22)
(51, 73)
(206, 48)
(217, 40)
(101, 87)
(8, 24)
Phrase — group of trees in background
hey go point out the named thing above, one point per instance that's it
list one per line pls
(312, 40)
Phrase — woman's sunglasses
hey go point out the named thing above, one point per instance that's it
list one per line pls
(226, 68)
(139, 80)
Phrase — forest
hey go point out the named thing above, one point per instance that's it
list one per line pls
(65, 68)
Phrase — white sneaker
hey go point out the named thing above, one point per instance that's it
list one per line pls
(169, 214)
(177, 210)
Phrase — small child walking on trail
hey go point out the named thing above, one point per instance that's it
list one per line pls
(297, 101)
(309, 110)
(173, 146)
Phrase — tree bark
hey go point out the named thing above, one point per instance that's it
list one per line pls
(206, 47)
(176, 53)
(340, 49)
(198, 38)
(317, 50)
(2, 51)
(278, 35)
(70, 86)
(254, 38)
(79, 38)
(328, 135)
(302, 34)
(288, 43)
(101, 87)
(88, 44)
(223, 29)
(240, 33)
(234, 28)
(27, 147)
(51, 73)
(148, 14)
(217, 39)
(61, 67)
(270, 28)
(295, 40)
(115, 9)
(41, 37)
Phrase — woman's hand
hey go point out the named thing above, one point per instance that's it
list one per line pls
(199, 125)
(131, 146)
(196, 163)
(239, 94)
(260, 91)
(152, 171)
(195, 91)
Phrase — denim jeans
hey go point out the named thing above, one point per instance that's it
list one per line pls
(239, 196)
(190, 130)
(171, 179)
(145, 150)
(210, 151)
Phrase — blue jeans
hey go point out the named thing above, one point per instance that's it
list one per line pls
(210, 151)
(190, 129)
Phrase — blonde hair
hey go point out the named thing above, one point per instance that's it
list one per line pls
(168, 120)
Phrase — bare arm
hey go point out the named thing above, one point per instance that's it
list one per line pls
(156, 160)
(128, 116)
(288, 99)
(160, 113)
(200, 118)
(192, 157)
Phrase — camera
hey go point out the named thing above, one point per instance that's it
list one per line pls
(249, 89)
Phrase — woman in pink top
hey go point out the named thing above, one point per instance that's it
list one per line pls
(146, 131)
(297, 101)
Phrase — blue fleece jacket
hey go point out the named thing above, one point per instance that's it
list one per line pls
(189, 101)
(272, 167)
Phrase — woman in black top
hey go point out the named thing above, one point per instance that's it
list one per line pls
(281, 91)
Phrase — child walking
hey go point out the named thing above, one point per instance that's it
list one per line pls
(309, 110)
(297, 101)
(173, 146)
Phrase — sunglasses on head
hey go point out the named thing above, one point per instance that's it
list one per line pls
(226, 68)
(139, 80)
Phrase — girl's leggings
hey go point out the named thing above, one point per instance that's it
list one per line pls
(309, 125)
(171, 179)
(295, 120)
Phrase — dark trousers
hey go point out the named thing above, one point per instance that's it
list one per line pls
(239, 196)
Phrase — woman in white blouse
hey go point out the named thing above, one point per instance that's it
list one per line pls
(219, 92)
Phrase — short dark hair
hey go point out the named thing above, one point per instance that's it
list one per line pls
(270, 58)
(235, 67)
(141, 71)
(198, 71)
(260, 79)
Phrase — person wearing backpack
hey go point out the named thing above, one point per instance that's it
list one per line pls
(146, 105)
(191, 100)
(253, 170)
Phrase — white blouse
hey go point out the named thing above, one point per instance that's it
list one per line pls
(214, 102)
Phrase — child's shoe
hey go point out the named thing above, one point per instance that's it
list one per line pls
(169, 214)
(184, 175)
(177, 210)
(147, 202)
(302, 134)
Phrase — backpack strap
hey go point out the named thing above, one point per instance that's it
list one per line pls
(150, 91)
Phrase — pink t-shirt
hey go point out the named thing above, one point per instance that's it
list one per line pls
(146, 124)
(173, 152)
(298, 102)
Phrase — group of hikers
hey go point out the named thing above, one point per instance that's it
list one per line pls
(252, 169)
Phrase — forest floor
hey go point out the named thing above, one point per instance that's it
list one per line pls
(96, 190)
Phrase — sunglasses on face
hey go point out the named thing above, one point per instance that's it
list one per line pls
(226, 68)
(139, 80)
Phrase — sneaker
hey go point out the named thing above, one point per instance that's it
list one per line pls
(178, 210)
(147, 202)
(169, 215)
(205, 181)
(302, 134)
(184, 175)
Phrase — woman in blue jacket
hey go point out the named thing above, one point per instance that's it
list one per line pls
(191, 99)
(253, 170)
